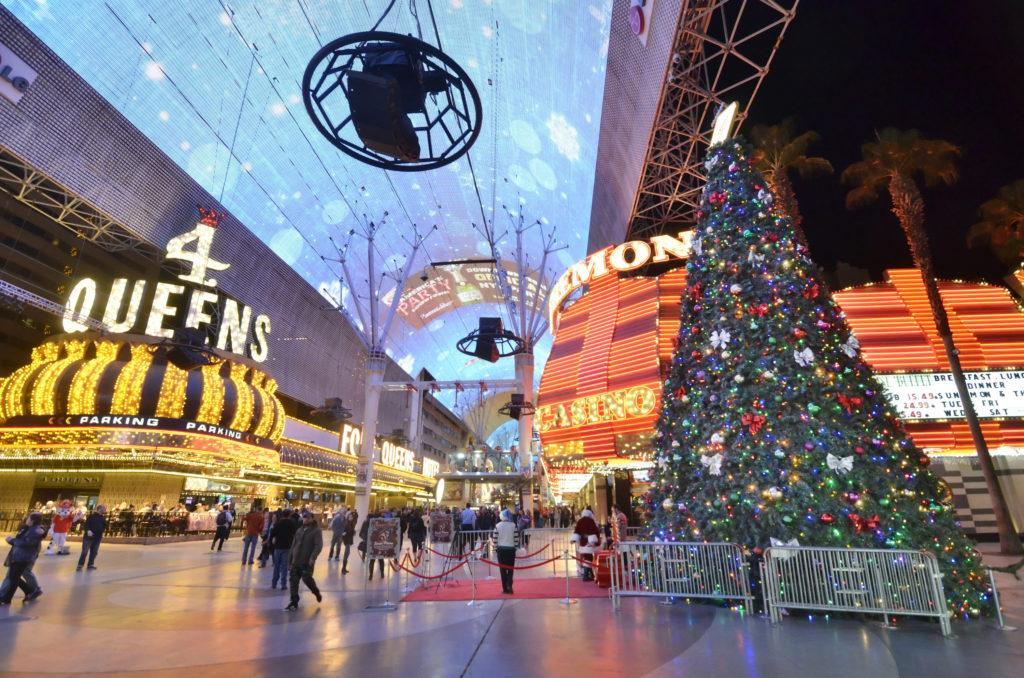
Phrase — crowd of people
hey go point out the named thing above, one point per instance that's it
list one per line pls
(291, 540)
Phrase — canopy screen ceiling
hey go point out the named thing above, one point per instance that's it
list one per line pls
(216, 86)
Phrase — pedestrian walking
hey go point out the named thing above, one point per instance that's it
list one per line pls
(253, 523)
(417, 532)
(506, 541)
(306, 546)
(281, 542)
(348, 536)
(337, 526)
(25, 547)
(223, 522)
(269, 518)
(95, 526)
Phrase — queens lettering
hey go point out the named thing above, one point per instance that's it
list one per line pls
(237, 331)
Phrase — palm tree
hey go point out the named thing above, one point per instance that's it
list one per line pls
(777, 153)
(1002, 225)
(892, 162)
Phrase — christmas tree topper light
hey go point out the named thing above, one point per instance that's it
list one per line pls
(723, 123)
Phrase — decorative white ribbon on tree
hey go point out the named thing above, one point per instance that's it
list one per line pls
(713, 463)
(803, 358)
(719, 339)
(851, 346)
(840, 465)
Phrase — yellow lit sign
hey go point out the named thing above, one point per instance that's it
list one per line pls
(398, 457)
(236, 322)
(638, 401)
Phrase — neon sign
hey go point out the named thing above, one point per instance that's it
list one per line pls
(397, 457)
(236, 322)
(626, 257)
(638, 401)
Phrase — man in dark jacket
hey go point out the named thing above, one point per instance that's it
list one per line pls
(95, 526)
(281, 536)
(306, 546)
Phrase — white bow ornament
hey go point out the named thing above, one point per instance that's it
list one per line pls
(803, 358)
(841, 465)
(713, 463)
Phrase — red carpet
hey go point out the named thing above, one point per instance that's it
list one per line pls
(524, 588)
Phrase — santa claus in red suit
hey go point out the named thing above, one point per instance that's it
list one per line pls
(60, 527)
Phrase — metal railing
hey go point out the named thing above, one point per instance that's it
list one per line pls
(872, 581)
(129, 524)
(679, 570)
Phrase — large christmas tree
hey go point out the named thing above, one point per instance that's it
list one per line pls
(771, 424)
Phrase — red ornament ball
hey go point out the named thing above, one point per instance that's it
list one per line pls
(859, 450)
(827, 518)
(924, 460)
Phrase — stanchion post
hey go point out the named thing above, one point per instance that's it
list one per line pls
(472, 576)
(406, 588)
(567, 600)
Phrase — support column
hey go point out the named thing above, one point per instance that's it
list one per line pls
(524, 374)
(415, 407)
(371, 404)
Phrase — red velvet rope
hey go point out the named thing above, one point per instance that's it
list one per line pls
(524, 567)
(423, 576)
(534, 553)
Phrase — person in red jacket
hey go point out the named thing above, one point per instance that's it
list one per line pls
(587, 535)
(253, 522)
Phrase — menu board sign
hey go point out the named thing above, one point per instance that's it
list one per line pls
(933, 395)
(440, 527)
(383, 538)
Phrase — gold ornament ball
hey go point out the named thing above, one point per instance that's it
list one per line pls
(668, 504)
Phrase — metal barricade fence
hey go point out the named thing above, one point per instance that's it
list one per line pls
(680, 570)
(872, 581)
(544, 543)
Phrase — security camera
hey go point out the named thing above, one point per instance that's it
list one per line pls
(423, 276)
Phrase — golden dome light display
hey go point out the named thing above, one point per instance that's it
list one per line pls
(121, 380)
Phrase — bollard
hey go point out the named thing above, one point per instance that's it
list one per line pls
(567, 600)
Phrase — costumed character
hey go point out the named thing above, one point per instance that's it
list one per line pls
(60, 527)
(587, 536)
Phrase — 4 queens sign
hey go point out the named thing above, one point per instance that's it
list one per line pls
(169, 302)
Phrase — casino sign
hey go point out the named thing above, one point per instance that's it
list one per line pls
(601, 387)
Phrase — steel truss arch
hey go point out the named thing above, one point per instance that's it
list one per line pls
(721, 52)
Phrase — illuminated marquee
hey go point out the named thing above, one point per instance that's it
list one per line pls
(236, 323)
(934, 395)
(391, 455)
(601, 387)
(626, 257)
(397, 457)
(894, 325)
(638, 401)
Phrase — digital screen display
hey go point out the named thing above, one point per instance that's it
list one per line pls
(217, 88)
